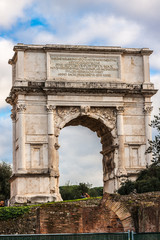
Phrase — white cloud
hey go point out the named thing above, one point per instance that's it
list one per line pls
(92, 28)
(6, 52)
(155, 60)
(156, 98)
(106, 22)
(110, 30)
(80, 160)
(5, 139)
(139, 10)
(11, 10)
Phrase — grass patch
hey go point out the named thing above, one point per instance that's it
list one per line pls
(74, 200)
(13, 212)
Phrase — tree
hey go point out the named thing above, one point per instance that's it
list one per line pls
(5, 174)
(148, 181)
(69, 192)
(154, 147)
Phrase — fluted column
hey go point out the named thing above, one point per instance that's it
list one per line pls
(120, 132)
(148, 131)
(52, 155)
(13, 117)
(21, 137)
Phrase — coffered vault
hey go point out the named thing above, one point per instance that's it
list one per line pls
(106, 89)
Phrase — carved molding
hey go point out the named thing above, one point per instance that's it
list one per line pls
(107, 114)
(57, 146)
(91, 85)
(13, 115)
(147, 109)
(64, 112)
(21, 107)
(120, 109)
(50, 108)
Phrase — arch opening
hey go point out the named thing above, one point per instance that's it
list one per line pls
(80, 160)
(106, 139)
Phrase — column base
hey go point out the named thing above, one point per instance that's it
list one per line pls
(34, 199)
(33, 189)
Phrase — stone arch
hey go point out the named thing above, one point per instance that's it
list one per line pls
(99, 120)
(120, 210)
(80, 82)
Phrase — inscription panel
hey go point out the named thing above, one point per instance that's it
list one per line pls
(79, 67)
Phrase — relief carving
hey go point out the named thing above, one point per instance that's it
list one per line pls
(57, 146)
(85, 110)
(108, 164)
(147, 109)
(50, 108)
(105, 113)
(13, 115)
(120, 109)
(21, 107)
(64, 112)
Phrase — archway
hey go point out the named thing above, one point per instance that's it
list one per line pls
(104, 131)
(80, 160)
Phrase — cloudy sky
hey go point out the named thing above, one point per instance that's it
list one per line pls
(122, 23)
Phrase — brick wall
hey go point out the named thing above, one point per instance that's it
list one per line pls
(78, 217)
(114, 213)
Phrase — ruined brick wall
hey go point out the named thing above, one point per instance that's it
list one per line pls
(114, 213)
(144, 209)
(26, 224)
(78, 217)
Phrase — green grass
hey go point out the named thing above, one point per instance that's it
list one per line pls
(14, 212)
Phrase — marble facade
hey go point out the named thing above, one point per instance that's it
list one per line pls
(106, 89)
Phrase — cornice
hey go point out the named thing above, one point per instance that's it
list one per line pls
(82, 48)
(87, 88)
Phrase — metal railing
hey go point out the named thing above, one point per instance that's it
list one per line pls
(145, 236)
(85, 236)
(78, 236)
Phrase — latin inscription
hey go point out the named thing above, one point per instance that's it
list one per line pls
(84, 67)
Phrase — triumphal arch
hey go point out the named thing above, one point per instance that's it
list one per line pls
(106, 89)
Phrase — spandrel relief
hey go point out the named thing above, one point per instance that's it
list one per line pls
(106, 114)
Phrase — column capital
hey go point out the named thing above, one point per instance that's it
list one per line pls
(147, 109)
(120, 109)
(21, 107)
(50, 108)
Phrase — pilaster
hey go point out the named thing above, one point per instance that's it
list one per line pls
(13, 117)
(52, 143)
(148, 131)
(20, 65)
(146, 71)
(21, 137)
(120, 132)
